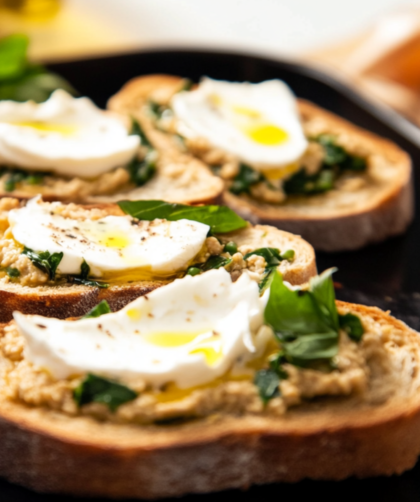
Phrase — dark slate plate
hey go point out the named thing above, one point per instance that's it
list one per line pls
(386, 275)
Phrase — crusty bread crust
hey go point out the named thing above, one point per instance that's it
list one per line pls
(321, 219)
(71, 300)
(327, 439)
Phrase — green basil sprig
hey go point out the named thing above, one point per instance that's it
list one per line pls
(336, 161)
(83, 277)
(305, 322)
(101, 309)
(352, 326)
(244, 180)
(21, 80)
(221, 219)
(95, 389)
(272, 257)
(141, 171)
(45, 261)
(267, 382)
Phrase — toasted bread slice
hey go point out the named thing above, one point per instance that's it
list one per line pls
(332, 438)
(344, 219)
(178, 178)
(362, 208)
(73, 300)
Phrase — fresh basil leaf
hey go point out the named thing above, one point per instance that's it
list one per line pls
(101, 309)
(89, 282)
(101, 390)
(138, 131)
(267, 382)
(303, 183)
(45, 261)
(271, 256)
(83, 278)
(13, 56)
(84, 270)
(322, 287)
(335, 162)
(12, 272)
(38, 85)
(293, 312)
(243, 181)
(276, 362)
(141, 171)
(267, 279)
(215, 262)
(305, 322)
(352, 325)
(311, 347)
(221, 219)
(23, 81)
(334, 154)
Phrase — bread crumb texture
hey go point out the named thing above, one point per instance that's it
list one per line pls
(365, 370)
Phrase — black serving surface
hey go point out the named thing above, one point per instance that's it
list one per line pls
(386, 275)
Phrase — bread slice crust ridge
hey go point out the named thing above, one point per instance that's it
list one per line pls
(326, 439)
(326, 220)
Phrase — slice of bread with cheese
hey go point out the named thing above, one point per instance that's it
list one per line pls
(27, 288)
(367, 203)
(373, 430)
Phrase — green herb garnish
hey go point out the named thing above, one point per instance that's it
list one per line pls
(83, 277)
(305, 322)
(95, 389)
(101, 309)
(230, 247)
(137, 130)
(267, 382)
(15, 176)
(352, 325)
(246, 177)
(21, 80)
(272, 257)
(335, 162)
(221, 219)
(141, 171)
(12, 272)
(215, 262)
(45, 261)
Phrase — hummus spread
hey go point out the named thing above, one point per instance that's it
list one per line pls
(361, 370)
